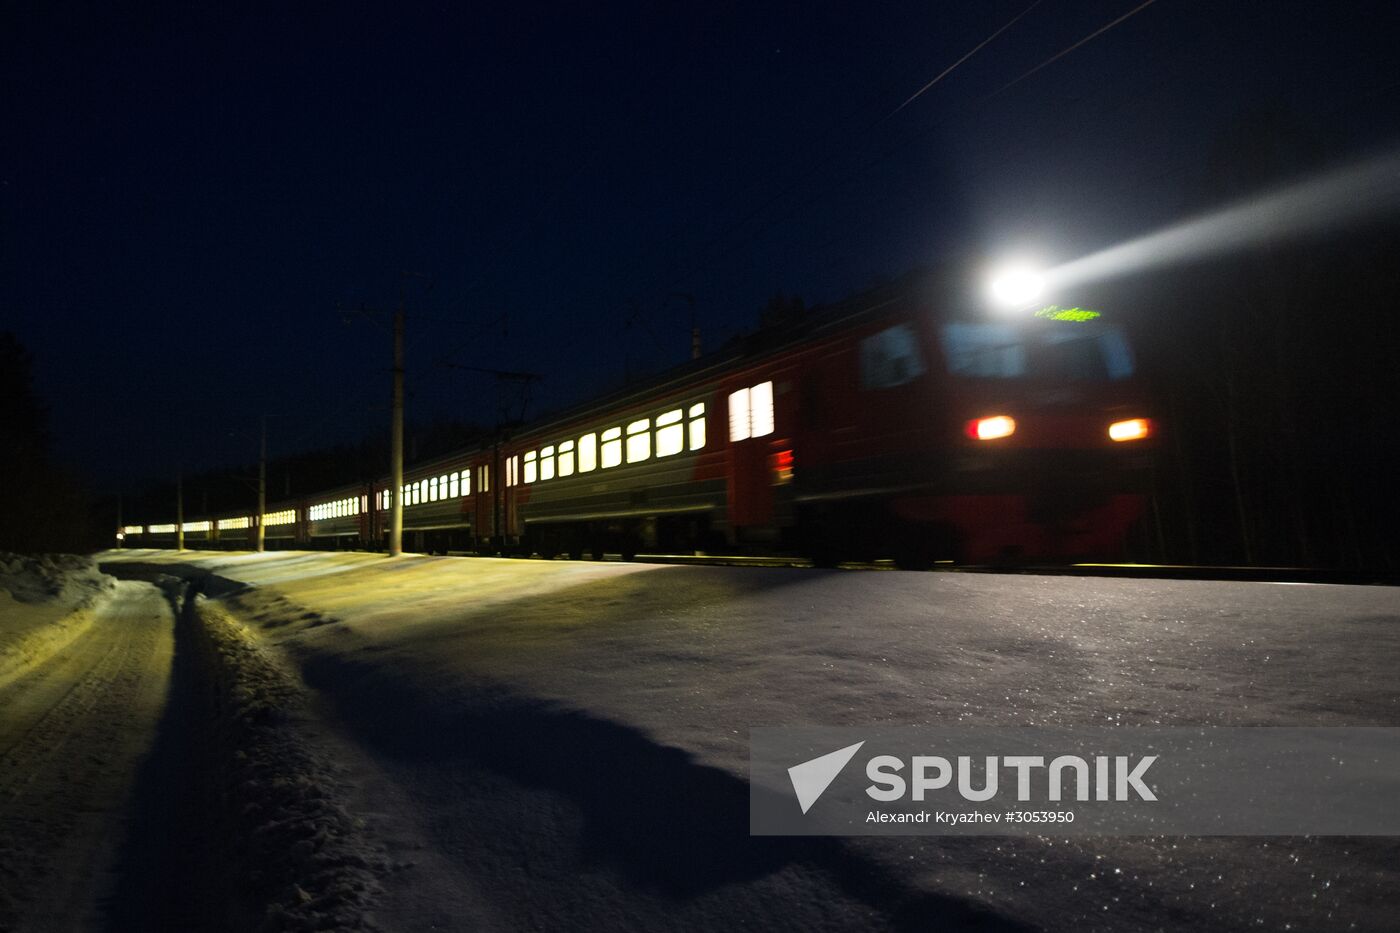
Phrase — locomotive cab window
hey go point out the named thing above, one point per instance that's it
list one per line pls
(1062, 351)
(890, 358)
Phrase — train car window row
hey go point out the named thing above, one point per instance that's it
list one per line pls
(232, 524)
(283, 517)
(340, 508)
(670, 433)
(454, 485)
(196, 526)
(751, 412)
(162, 529)
(132, 530)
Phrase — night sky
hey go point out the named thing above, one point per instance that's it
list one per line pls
(192, 196)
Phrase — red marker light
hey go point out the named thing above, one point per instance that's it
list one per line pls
(989, 429)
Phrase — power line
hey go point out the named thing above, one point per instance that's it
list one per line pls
(949, 70)
(1056, 57)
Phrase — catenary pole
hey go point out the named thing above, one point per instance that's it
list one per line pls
(262, 487)
(396, 442)
(180, 510)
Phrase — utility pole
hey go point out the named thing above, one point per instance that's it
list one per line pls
(262, 487)
(396, 442)
(121, 528)
(180, 510)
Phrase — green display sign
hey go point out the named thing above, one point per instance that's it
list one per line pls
(1056, 313)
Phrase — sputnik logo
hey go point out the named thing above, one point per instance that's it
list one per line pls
(811, 778)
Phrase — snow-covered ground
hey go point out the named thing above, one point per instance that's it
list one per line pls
(45, 602)
(565, 744)
(84, 664)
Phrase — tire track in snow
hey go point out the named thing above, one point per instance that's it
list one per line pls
(74, 730)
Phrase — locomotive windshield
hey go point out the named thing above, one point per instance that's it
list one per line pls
(1077, 352)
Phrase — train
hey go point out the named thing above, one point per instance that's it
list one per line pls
(894, 425)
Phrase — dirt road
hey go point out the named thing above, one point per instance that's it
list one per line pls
(73, 730)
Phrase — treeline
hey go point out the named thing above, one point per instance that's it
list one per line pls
(1275, 375)
(42, 507)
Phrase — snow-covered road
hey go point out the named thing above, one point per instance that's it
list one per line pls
(73, 728)
(566, 743)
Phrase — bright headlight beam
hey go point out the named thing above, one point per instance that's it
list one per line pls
(1368, 189)
(1015, 286)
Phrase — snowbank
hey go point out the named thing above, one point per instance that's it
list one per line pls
(296, 859)
(45, 602)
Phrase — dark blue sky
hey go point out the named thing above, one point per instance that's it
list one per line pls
(189, 193)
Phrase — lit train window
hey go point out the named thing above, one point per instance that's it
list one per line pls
(483, 479)
(670, 434)
(639, 440)
(566, 458)
(454, 488)
(761, 409)
(751, 412)
(697, 426)
(422, 490)
(612, 447)
(433, 489)
(547, 463)
(364, 504)
(512, 470)
(442, 486)
(588, 453)
(739, 415)
(532, 472)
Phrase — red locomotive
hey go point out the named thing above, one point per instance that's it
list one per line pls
(876, 428)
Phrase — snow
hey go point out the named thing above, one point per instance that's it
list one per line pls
(586, 724)
(45, 603)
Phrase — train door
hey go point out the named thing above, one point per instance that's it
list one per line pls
(750, 424)
(484, 505)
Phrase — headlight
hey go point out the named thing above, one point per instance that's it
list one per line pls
(989, 429)
(1134, 429)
